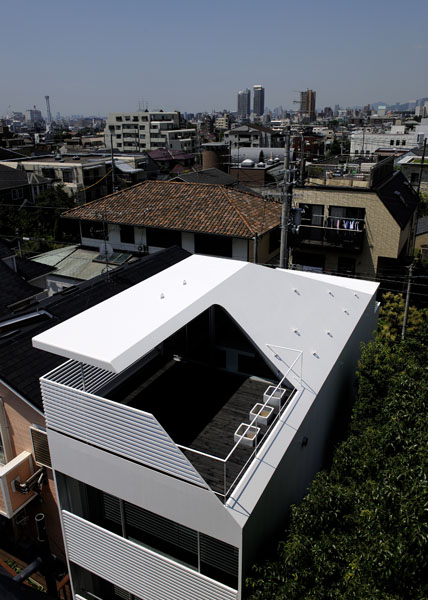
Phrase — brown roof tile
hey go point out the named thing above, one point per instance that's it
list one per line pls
(203, 208)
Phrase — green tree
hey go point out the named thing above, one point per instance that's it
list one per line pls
(362, 530)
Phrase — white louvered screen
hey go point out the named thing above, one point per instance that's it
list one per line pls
(120, 429)
(135, 568)
(80, 376)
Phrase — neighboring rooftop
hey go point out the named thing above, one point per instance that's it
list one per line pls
(14, 289)
(78, 263)
(204, 208)
(350, 171)
(21, 365)
(12, 178)
(208, 176)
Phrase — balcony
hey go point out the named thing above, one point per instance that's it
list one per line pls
(190, 420)
(330, 235)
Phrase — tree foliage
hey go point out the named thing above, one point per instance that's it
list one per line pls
(362, 530)
(39, 219)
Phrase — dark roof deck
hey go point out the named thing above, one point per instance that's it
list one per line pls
(200, 407)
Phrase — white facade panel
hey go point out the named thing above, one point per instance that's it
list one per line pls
(135, 568)
(174, 499)
(240, 249)
(120, 429)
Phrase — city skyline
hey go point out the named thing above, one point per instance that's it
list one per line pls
(94, 60)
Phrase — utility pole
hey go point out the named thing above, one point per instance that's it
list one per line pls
(286, 201)
(406, 306)
(113, 181)
(422, 166)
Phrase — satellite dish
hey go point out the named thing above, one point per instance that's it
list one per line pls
(106, 250)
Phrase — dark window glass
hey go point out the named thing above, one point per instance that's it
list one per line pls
(93, 229)
(215, 245)
(163, 238)
(162, 534)
(127, 234)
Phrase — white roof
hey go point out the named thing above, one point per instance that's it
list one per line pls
(307, 312)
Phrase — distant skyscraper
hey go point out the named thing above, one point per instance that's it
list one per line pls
(244, 103)
(307, 104)
(259, 100)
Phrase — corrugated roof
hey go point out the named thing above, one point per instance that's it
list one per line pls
(200, 208)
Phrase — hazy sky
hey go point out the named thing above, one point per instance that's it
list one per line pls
(96, 57)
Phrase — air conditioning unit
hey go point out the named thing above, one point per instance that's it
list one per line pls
(12, 473)
(41, 452)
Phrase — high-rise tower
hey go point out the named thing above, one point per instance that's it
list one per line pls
(259, 100)
(307, 104)
(244, 103)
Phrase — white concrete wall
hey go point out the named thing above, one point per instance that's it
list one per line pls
(299, 465)
(169, 497)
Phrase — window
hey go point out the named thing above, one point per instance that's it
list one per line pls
(127, 234)
(119, 144)
(345, 265)
(128, 118)
(201, 552)
(67, 176)
(119, 127)
(214, 245)
(17, 194)
(92, 229)
(397, 142)
(163, 238)
(118, 118)
(403, 142)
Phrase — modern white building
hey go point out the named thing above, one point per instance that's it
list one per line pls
(147, 130)
(369, 140)
(191, 410)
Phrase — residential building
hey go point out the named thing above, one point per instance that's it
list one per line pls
(191, 411)
(223, 122)
(359, 217)
(307, 105)
(253, 136)
(398, 138)
(144, 130)
(244, 104)
(24, 450)
(259, 100)
(84, 175)
(201, 218)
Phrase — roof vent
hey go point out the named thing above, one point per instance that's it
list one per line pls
(41, 452)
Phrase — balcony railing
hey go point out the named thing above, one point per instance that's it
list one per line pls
(72, 407)
(333, 236)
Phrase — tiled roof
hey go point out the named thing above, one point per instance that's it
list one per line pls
(195, 207)
(166, 154)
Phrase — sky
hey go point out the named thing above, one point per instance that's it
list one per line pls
(93, 57)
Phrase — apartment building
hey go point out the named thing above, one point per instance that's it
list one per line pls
(84, 175)
(190, 412)
(148, 130)
(359, 217)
